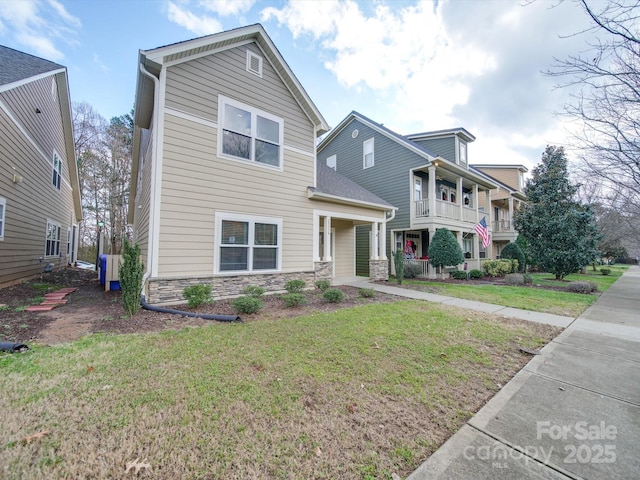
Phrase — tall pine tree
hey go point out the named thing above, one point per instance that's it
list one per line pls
(562, 234)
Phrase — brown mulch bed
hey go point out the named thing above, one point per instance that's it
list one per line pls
(90, 309)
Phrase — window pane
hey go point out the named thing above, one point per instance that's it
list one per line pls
(368, 160)
(1, 211)
(237, 120)
(233, 258)
(268, 130)
(265, 258)
(266, 234)
(267, 153)
(235, 233)
(236, 145)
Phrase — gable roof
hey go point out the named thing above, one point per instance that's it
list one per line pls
(402, 140)
(462, 132)
(331, 185)
(154, 59)
(18, 66)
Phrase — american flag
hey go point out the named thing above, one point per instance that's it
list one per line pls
(481, 229)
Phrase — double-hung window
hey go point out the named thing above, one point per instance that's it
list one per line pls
(52, 247)
(367, 153)
(3, 209)
(56, 173)
(249, 134)
(247, 243)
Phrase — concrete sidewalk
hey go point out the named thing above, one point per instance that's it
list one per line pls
(571, 412)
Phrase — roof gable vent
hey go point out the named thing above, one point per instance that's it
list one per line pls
(254, 63)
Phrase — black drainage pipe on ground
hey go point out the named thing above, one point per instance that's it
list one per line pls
(13, 347)
(205, 316)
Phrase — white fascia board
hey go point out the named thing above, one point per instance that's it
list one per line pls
(24, 81)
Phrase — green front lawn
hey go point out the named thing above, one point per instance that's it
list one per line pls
(357, 393)
(603, 281)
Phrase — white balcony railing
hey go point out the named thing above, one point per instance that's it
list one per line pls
(422, 208)
(502, 226)
(423, 264)
(469, 214)
(447, 209)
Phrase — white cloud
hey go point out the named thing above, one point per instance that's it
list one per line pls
(197, 24)
(227, 7)
(39, 26)
(99, 64)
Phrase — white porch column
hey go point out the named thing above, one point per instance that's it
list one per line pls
(326, 255)
(489, 211)
(383, 241)
(459, 238)
(459, 201)
(375, 249)
(432, 191)
(511, 214)
(475, 201)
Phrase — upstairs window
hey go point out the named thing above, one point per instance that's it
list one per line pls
(56, 174)
(332, 162)
(52, 247)
(367, 153)
(3, 208)
(250, 134)
(463, 153)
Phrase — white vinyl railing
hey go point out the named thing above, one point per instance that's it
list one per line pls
(423, 264)
(422, 208)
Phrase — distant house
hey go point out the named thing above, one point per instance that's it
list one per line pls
(426, 176)
(40, 204)
(225, 189)
(506, 199)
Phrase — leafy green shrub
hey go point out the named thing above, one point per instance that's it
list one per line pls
(497, 268)
(295, 286)
(294, 299)
(514, 279)
(459, 274)
(580, 287)
(444, 250)
(323, 284)
(398, 263)
(247, 304)
(367, 292)
(131, 273)
(253, 291)
(528, 279)
(412, 269)
(197, 295)
(475, 273)
(333, 295)
(605, 271)
(513, 251)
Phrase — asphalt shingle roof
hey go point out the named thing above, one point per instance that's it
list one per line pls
(15, 65)
(331, 182)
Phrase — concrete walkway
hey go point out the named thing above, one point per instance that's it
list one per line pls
(571, 412)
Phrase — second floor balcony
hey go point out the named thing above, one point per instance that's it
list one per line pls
(445, 210)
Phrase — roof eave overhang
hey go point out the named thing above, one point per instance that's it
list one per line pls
(315, 195)
(463, 172)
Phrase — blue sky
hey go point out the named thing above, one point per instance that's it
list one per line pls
(412, 65)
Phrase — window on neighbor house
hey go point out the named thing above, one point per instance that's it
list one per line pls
(417, 188)
(463, 153)
(52, 246)
(332, 162)
(248, 244)
(367, 153)
(3, 208)
(56, 175)
(250, 134)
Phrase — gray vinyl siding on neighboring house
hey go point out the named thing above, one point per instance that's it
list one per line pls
(363, 245)
(34, 200)
(442, 147)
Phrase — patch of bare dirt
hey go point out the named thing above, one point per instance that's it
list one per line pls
(90, 309)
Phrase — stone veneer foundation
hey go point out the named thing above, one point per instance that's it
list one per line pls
(168, 291)
(378, 270)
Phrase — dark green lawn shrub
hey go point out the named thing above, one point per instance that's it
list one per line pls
(367, 292)
(323, 284)
(294, 299)
(475, 273)
(247, 304)
(412, 269)
(513, 251)
(605, 271)
(579, 287)
(333, 295)
(253, 291)
(197, 295)
(295, 286)
(131, 273)
(459, 274)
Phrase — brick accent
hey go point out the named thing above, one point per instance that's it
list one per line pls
(378, 270)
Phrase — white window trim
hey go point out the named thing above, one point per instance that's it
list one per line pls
(332, 159)
(59, 172)
(417, 180)
(251, 220)
(59, 240)
(3, 217)
(222, 102)
(462, 146)
(251, 55)
(373, 158)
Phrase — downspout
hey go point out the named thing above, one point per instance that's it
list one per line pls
(154, 172)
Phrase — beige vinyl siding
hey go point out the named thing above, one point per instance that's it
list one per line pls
(143, 203)
(193, 87)
(196, 184)
(35, 200)
(344, 248)
(508, 176)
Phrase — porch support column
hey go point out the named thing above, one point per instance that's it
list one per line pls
(475, 201)
(476, 249)
(375, 247)
(489, 211)
(510, 213)
(459, 197)
(459, 239)
(326, 255)
(432, 191)
(383, 241)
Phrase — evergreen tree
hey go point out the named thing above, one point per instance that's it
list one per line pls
(513, 251)
(444, 249)
(131, 273)
(562, 234)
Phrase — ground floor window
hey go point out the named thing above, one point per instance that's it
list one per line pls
(467, 245)
(52, 247)
(247, 243)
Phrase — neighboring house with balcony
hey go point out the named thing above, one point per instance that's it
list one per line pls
(426, 176)
(225, 189)
(506, 199)
(40, 205)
